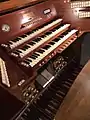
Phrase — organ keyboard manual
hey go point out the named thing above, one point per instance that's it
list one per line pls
(38, 49)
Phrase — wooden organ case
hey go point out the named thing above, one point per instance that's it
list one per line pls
(37, 51)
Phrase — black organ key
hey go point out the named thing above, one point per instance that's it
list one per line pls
(58, 27)
(28, 33)
(57, 39)
(34, 42)
(36, 54)
(38, 39)
(26, 61)
(61, 25)
(61, 36)
(29, 60)
(31, 43)
(69, 30)
(34, 31)
(43, 36)
(32, 57)
(25, 47)
(10, 43)
(17, 39)
(51, 43)
(48, 33)
(23, 36)
(28, 45)
(18, 51)
(46, 47)
(40, 51)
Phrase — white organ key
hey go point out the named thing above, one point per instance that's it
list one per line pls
(24, 53)
(4, 75)
(34, 62)
(15, 44)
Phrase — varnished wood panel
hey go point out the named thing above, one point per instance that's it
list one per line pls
(12, 4)
(76, 105)
(63, 9)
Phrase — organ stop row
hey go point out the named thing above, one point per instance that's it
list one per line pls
(36, 46)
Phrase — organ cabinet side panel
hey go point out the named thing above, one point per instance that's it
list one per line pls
(9, 105)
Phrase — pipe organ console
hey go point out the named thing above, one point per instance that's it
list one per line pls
(37, 51)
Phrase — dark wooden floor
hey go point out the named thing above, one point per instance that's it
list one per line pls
(76, 105)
